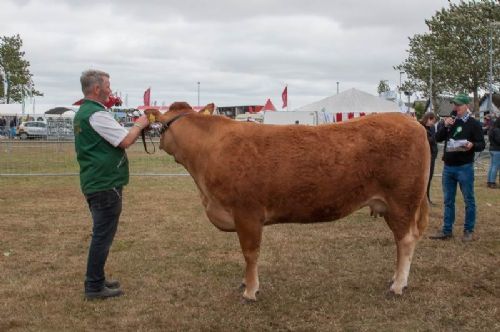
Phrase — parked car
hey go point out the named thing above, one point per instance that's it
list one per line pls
(32, 129)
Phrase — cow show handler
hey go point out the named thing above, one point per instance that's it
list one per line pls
(100, 144)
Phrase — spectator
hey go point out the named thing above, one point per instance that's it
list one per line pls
(458, 157)
(494, 137)
(3, 126)
(12, 125)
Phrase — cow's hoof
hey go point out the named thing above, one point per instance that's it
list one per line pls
(397, 291)
(247, 301)
(248, 297)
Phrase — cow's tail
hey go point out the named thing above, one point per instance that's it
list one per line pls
(423, 216)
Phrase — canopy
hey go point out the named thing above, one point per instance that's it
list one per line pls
(352, 101)
(268, 106)
(58, 110)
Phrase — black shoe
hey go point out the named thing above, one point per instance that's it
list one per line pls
(492, 185)
(103, 294)
(112, 284)
(441, 236)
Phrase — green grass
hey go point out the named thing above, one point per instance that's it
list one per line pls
(180, 273)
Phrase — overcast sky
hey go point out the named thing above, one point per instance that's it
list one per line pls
(241, 52)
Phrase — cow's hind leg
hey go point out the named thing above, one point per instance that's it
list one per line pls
(405, 249)
(403, 226)
(250, 234)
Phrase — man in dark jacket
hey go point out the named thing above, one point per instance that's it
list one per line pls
(463, 136)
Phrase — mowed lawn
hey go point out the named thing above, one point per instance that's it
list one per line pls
(180, 273)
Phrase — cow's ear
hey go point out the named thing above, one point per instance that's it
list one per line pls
(209, 109)
(153, 115)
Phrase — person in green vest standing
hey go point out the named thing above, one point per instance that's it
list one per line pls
(100, 144)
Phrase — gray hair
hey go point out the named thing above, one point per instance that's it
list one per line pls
(90, 78)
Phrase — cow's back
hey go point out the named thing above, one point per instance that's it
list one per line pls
(307, 174)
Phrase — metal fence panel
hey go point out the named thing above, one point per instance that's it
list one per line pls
(58, 158)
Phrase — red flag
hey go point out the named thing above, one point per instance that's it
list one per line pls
(284, 96)
(147, 97)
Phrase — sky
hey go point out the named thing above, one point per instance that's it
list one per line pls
(240, 52)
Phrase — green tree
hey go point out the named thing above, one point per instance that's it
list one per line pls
(14, 71)
(457, 48)
(383, 86)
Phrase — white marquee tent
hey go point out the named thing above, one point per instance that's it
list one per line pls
(350, 104)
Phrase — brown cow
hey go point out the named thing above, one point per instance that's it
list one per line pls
(250, 175)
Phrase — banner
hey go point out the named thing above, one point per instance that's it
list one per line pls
(284, 96)
(147, 97)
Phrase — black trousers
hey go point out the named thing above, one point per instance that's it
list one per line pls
(105, 207)
(431, 173)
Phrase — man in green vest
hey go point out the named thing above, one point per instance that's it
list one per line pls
(100, 144)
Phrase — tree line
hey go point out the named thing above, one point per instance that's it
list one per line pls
(457, 47)
(16, 81)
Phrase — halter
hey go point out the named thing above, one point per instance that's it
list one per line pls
(164, 127)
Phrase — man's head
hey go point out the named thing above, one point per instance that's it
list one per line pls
(95, 85)
(461, 104)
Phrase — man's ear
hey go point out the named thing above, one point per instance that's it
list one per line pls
(209, 109)
(153, 115)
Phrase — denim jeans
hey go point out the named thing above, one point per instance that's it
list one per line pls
(464, 176)
(105, 207)
(494, 166)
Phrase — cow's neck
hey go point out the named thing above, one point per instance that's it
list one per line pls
(186, 141)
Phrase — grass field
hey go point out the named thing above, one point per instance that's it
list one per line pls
(180, 273)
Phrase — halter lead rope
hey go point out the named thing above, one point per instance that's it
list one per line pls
(164, 127)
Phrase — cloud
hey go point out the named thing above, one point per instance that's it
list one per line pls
(241, 51)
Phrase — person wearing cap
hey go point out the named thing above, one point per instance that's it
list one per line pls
(459, 166)
(100, 144)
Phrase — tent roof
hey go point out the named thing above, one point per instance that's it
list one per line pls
(268, 106)
(58, 110)
(352, 100)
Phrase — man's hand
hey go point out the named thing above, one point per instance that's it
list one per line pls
(469, 146)
(142, 122)
(139, 124)
(448, 122)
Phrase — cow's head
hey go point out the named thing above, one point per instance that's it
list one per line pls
(177, 108)
(176, 111)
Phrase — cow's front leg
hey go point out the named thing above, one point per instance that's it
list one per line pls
(250, 234)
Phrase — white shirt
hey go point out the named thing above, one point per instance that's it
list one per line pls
(106, 126)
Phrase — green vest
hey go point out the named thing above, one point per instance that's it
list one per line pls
(102, 166)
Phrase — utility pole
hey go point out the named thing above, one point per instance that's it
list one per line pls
(492, 26)
(400, 100)
(430, 81)
(198, 94)
(337, 87)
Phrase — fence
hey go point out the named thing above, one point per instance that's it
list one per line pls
(58, 158)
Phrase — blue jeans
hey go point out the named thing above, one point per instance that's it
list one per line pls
(464, 176)
(105, 207)
(494, 166)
